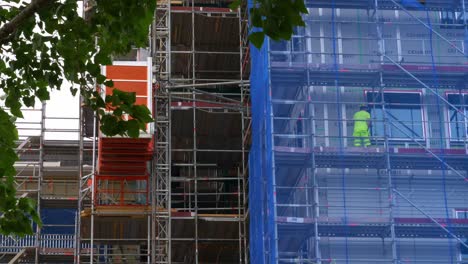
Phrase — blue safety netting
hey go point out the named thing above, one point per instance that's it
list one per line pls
(260, 160)
(316, 196)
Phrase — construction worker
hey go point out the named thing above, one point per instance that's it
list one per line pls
(361, 127)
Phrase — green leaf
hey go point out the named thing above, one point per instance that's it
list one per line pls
(94, 69)
(126, 109)
(142, 113)
(36, 217)
(109, 125)
(29, 101)
(26, 204)
(100, 102)
(109, 83)
(12, 101)
(256, 18)
(118, 112)
(235, 4)
(115, 99)
(8, 158)
(100, 78)
(108, 99)
(277, 19)
(300, 6)
(43, 94)
(102, 58)
(257, 38)
(73, 90)
(133, 128)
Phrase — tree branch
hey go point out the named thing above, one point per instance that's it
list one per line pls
(7, 30)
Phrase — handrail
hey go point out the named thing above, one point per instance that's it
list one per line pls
(430, 217)
(61, 241)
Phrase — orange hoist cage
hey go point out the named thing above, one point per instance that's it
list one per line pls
(122, 174)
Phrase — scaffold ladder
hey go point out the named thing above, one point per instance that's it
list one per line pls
(160, 250)
(161, 169)
(161, 44)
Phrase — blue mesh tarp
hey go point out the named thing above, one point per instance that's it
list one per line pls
(260, 179)
(317, 197)
(58, 220)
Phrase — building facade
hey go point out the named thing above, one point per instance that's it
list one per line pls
(316, 197)
(178, 194)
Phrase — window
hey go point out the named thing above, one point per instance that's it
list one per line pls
(458, 124)
(299, 132)
(446, 17)
(403, 110)
(451, 20)
(461, 214)
(463, 256)
(290, 51)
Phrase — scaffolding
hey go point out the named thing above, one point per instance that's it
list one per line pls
(202, 216)
(46, 172)
(316, 196)
(197, 182)
(192, 205)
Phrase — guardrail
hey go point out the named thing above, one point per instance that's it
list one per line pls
(49, 243)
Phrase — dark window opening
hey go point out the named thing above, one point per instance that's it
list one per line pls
(463, 214)
(300, 132)
(451, 20)
(403, 112)
(458, 125)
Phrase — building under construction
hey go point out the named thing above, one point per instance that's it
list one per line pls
(191, 189)
(319, 197)
(178, 193)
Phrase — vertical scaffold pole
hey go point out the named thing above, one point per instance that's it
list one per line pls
(315, 185)
(161, 244)
(241, 173)
(465, 50)
(388, 168)
(194, 138)
(77, 257)
(39, 181)
(160, 247)
(273, 254)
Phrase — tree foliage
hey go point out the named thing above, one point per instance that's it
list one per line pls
(274, 18)
(46, 45)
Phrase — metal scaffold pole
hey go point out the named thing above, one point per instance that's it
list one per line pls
(160, 247)
(241, 181)
(272, 199)
(161, 227)
(84, 188)
(197, 175)
(312, 174)
(40, 179)
(194, 138)
(244, 173)
(388, 168)
(80, 196)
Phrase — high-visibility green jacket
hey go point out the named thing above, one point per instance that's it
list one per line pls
(360, 120)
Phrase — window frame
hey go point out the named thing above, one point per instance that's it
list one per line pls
(423, 116)
(455, 216)
(448, 123)
(460, 210)
(452, 19)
